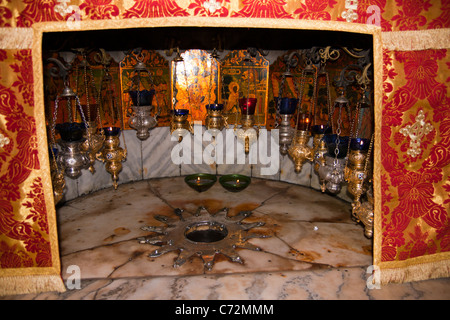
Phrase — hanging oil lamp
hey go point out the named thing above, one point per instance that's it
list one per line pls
(141, 97)
(356, 170)
(112, 154)
(300, 151)
(71, 157)
(319, 145)
(215, 121)
(285, 108)
(57, 176)
(321, 126)
(332, 173)
(88, 99)
(179, 123)
(247, 134)
(363, 211)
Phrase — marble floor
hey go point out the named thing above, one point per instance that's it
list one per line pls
(308, 248)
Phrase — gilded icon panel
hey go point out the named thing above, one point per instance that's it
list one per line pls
(245, 76)
(195, 83)
(158, 68)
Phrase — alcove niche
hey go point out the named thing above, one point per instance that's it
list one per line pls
(151, 158)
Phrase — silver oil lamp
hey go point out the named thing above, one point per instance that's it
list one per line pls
(321, 126)
(71, 157)
(332, 173)
(285, 108)
(141, 95)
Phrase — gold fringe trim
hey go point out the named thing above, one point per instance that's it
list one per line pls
(416, 39)
(13, 285)
(417, 272)
(16, 38)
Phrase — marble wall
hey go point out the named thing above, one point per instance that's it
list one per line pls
(152, 159)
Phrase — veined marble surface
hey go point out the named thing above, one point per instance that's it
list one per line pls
(315, 250)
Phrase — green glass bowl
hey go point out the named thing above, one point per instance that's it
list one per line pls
(235, 182)
(200, 181)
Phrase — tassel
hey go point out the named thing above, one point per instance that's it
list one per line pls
(12, 285)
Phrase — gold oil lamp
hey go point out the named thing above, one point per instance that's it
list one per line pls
(332, 173)
(141, 94)
(215, 121)
(179, 123)
(300, 151)
(363, 211)
(87, 94)
(319, 145)
(356, 170)
(247, 134)
(112, 154)
(57, 176)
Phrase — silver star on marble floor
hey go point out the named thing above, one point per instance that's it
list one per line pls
(202, 234)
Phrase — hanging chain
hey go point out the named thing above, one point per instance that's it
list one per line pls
(329, 106)
(86, 90)
(280, 94)
(355, 120)
(338, 132)
(366, 165)
(174, 82)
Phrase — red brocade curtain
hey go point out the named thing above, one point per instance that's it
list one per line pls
(412, 225)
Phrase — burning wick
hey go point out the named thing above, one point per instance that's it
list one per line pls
(237, 181)
(198, 180)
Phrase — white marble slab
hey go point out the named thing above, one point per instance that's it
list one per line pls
(156, 155)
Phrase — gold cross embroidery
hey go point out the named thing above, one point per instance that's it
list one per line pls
(416, 133)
